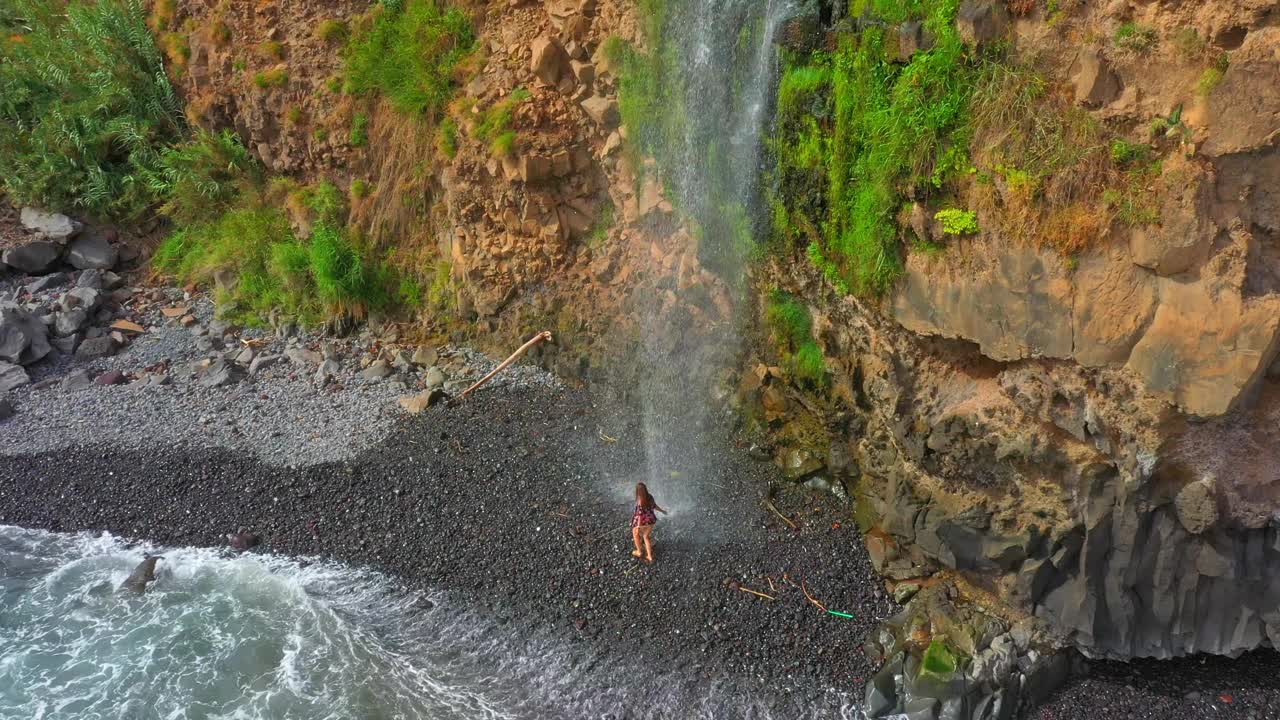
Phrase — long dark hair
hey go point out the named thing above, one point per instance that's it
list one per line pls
(643, 498)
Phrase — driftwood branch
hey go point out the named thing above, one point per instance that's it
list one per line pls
(811, 599)
(753, 592)
(540, 337)
(769, 504)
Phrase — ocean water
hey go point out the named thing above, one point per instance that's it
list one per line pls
(258, 637)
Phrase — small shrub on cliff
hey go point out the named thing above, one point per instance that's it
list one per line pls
(410, 54)
(958, 222)
(331, 29)
(273, 78)
(1213, 75)
(1054, 157)
(601, 227)
(272, 50)
(177, 50)
(1190, 45)
(85, 107)
(359, 130)
(1136, 37)
(447, 138)
(793, 331)
(360, 188)
(163, 13)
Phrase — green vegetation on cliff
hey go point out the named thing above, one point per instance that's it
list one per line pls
(858, 131)
(792, 328)
(410, 52)
(85, 107)
(326, 272)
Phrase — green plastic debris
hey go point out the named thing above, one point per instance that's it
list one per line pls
(837, 613)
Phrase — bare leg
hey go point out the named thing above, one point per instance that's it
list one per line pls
(648, 542)
(635, 537)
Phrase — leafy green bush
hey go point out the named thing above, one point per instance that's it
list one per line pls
(958, 222)
(202, 178)
(409, 54)
(1127, 153)
(85, 107)
(343, 278)
(259, 245)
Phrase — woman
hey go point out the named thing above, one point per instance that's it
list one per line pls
(642, 521)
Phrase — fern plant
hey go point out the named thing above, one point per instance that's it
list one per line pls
(85, 107)
(202, 178)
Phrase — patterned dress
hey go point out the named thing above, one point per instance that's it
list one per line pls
(643, 516)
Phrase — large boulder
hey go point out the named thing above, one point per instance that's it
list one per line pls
(1096, 83)
(982, 21)
(53, 226)
(68, 322)
(1114, 302)
(1242, 109)
(12, 376)
(1209, 341)
(1186, 231)
(99, 347)
(81, 297)
(1016, 305)
(550, 62)
(92, 251)
(1196, 505)
(34, 258)
(23, 338)
(603, 110)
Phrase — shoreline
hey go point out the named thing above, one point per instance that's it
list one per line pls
(514, 503)
(514, 506)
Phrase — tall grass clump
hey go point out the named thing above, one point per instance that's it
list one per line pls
(85, 107)
(410, 52)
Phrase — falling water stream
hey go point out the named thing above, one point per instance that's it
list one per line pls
(728, 64)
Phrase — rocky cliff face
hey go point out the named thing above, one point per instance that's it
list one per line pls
(1086, 435)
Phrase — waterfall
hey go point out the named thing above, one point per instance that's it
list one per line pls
(726, 68)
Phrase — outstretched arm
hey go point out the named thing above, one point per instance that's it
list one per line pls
(659, 509)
